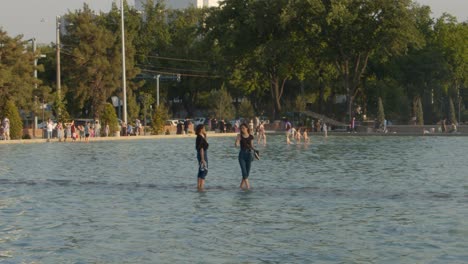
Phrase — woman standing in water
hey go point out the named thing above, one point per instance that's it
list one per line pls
(245, 141)
(201, 145)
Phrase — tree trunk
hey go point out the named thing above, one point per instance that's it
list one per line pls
(276, 94)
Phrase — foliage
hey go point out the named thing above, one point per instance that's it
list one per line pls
(16, 71)
(261, 43)
(222, 104)
(452, 113)
(10, 110)
(109, 117)
(300, 104)
(358, 29)
(159, 119)
(280, 54)
(246, 110)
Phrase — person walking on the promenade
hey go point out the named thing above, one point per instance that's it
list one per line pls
(186, 125)
(68, 132)
(60, 131)
(6, 128)
(107, 130)
(86, 132)
(74, 132)
(245, 141)
(50, 128)
(97, 128)
(201, 145)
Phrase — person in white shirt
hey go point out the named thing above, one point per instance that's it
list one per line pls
(6, 129)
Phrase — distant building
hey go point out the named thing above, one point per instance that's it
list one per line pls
(181, 4)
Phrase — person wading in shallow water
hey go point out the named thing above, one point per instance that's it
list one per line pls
(245, 141)
(201, 145)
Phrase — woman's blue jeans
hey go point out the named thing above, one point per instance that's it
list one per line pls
(202, 171)
(245, 161)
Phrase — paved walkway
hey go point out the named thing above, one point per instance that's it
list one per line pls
(55, 140)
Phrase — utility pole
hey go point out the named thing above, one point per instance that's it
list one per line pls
(124, 81)
(57, 48)
(157, 89)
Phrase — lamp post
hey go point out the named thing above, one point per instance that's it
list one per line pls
(157, 88)
(124, 81)
(57, 49)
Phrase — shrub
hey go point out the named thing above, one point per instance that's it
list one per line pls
(109, 117)
(16, 124)
(159, 119)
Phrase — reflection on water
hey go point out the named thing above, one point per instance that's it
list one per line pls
(344, 200)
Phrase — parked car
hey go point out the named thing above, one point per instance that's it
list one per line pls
(172, 122)
(264, 119)
(199, 121)
(43, 125)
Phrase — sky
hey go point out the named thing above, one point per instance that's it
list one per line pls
(36, 18)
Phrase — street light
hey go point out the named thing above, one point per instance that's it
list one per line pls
(57, 48)
(124, 81)
(157, 88)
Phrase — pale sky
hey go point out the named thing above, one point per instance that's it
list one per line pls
(36, 18)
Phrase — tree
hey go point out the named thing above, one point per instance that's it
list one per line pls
(108, 117)
(93, 66)
(246, 110)
(380, 112)
(16, 72)
(16, 124)
(452, 113)
(418, 111)
(159, 119)
(260, 43)
(354, 30)
(222, 104)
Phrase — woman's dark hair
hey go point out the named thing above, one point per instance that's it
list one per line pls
(246, 126)
(199, 128)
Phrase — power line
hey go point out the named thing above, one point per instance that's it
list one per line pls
(171, 69)
(174, 59)
(182, 74)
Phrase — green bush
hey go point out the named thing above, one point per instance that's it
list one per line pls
(16, 124)
(159, 119)
(110, 117)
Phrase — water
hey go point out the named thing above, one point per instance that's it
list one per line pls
(344, 200)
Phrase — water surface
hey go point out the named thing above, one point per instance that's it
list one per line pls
(340, 200)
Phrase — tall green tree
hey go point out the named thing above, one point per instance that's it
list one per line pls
(260, 41)
(10, 110)
(357, 29)
(222, 104)
(16, 71)
(93, 65)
